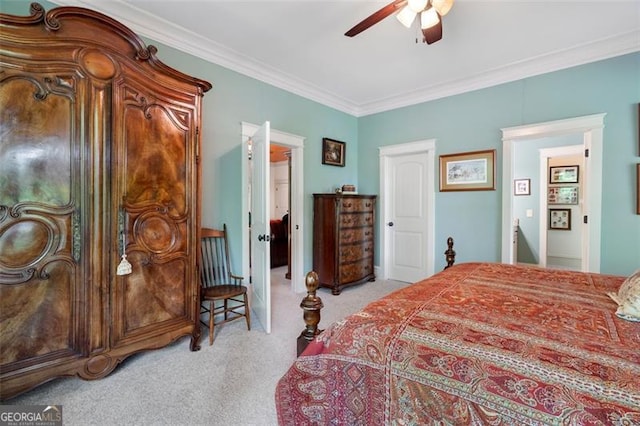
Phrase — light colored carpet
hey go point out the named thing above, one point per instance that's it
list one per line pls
(231, 382)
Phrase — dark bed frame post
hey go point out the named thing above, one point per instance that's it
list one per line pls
(311, 305)
(450, 254)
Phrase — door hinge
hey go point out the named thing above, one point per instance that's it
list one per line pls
(586, 153)
(585, 219)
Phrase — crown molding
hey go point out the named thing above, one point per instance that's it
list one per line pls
(561, 59)
(189, 42)
(170, 34)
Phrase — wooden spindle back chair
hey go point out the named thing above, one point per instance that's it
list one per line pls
(222, 292)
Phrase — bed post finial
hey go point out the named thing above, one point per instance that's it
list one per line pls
(450, 254)
(311, 305)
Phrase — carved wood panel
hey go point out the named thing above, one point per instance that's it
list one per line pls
(156, 189)
(40, 201)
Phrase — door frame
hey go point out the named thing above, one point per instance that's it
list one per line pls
(385, 152)
(296, 216)
(591, 127)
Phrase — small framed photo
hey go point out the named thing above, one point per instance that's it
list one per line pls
(522, 187)
(560, 219)
(468, 171)
(333, 152)
(563, 195)
(564, 174)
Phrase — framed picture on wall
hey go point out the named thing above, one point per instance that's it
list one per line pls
(522, 187)
(333, 152)
(563, 174)
(468, 171)
(563, 195)
(560, 219)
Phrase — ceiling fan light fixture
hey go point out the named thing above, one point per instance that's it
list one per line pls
(417, 5)
(429, 18)
(442, 6)
(406, 12)
(406, 16)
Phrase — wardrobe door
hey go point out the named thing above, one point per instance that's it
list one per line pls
(43, 249)
(155, 176)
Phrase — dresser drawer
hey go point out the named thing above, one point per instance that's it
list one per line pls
(356, 219)
(354, 235)
(355, 271)
(350, 205)
(353, 252)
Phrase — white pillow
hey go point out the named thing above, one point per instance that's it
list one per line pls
(628, 298)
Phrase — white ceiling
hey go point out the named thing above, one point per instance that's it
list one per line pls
(299, 45)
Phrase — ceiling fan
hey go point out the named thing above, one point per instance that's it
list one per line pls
(430, 11)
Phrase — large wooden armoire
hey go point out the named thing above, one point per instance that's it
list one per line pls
(98, 156)
(343, 239)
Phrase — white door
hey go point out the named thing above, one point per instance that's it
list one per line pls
(296, 208)
(407, 215)
(260, 298)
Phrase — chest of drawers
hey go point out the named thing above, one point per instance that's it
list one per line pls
(343, 239)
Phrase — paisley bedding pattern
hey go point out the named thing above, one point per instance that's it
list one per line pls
(479, 343)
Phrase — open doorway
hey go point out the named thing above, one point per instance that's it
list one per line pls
(294, 145)
(279, 186)
(562, 195)
(589, 131)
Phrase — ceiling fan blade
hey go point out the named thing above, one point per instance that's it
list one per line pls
(376, 17)
(433, 34)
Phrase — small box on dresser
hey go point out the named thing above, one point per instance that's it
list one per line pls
(343, 239)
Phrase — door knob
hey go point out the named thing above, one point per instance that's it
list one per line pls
(390, 223)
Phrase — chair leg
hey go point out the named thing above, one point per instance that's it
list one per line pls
(211, 323)
(247, 314)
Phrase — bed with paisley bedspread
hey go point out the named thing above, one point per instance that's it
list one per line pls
(479, 343)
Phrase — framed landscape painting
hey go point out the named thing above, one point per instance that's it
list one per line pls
(468, 171)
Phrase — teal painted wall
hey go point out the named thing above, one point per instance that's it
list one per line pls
(466, 122)
(472, 121)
